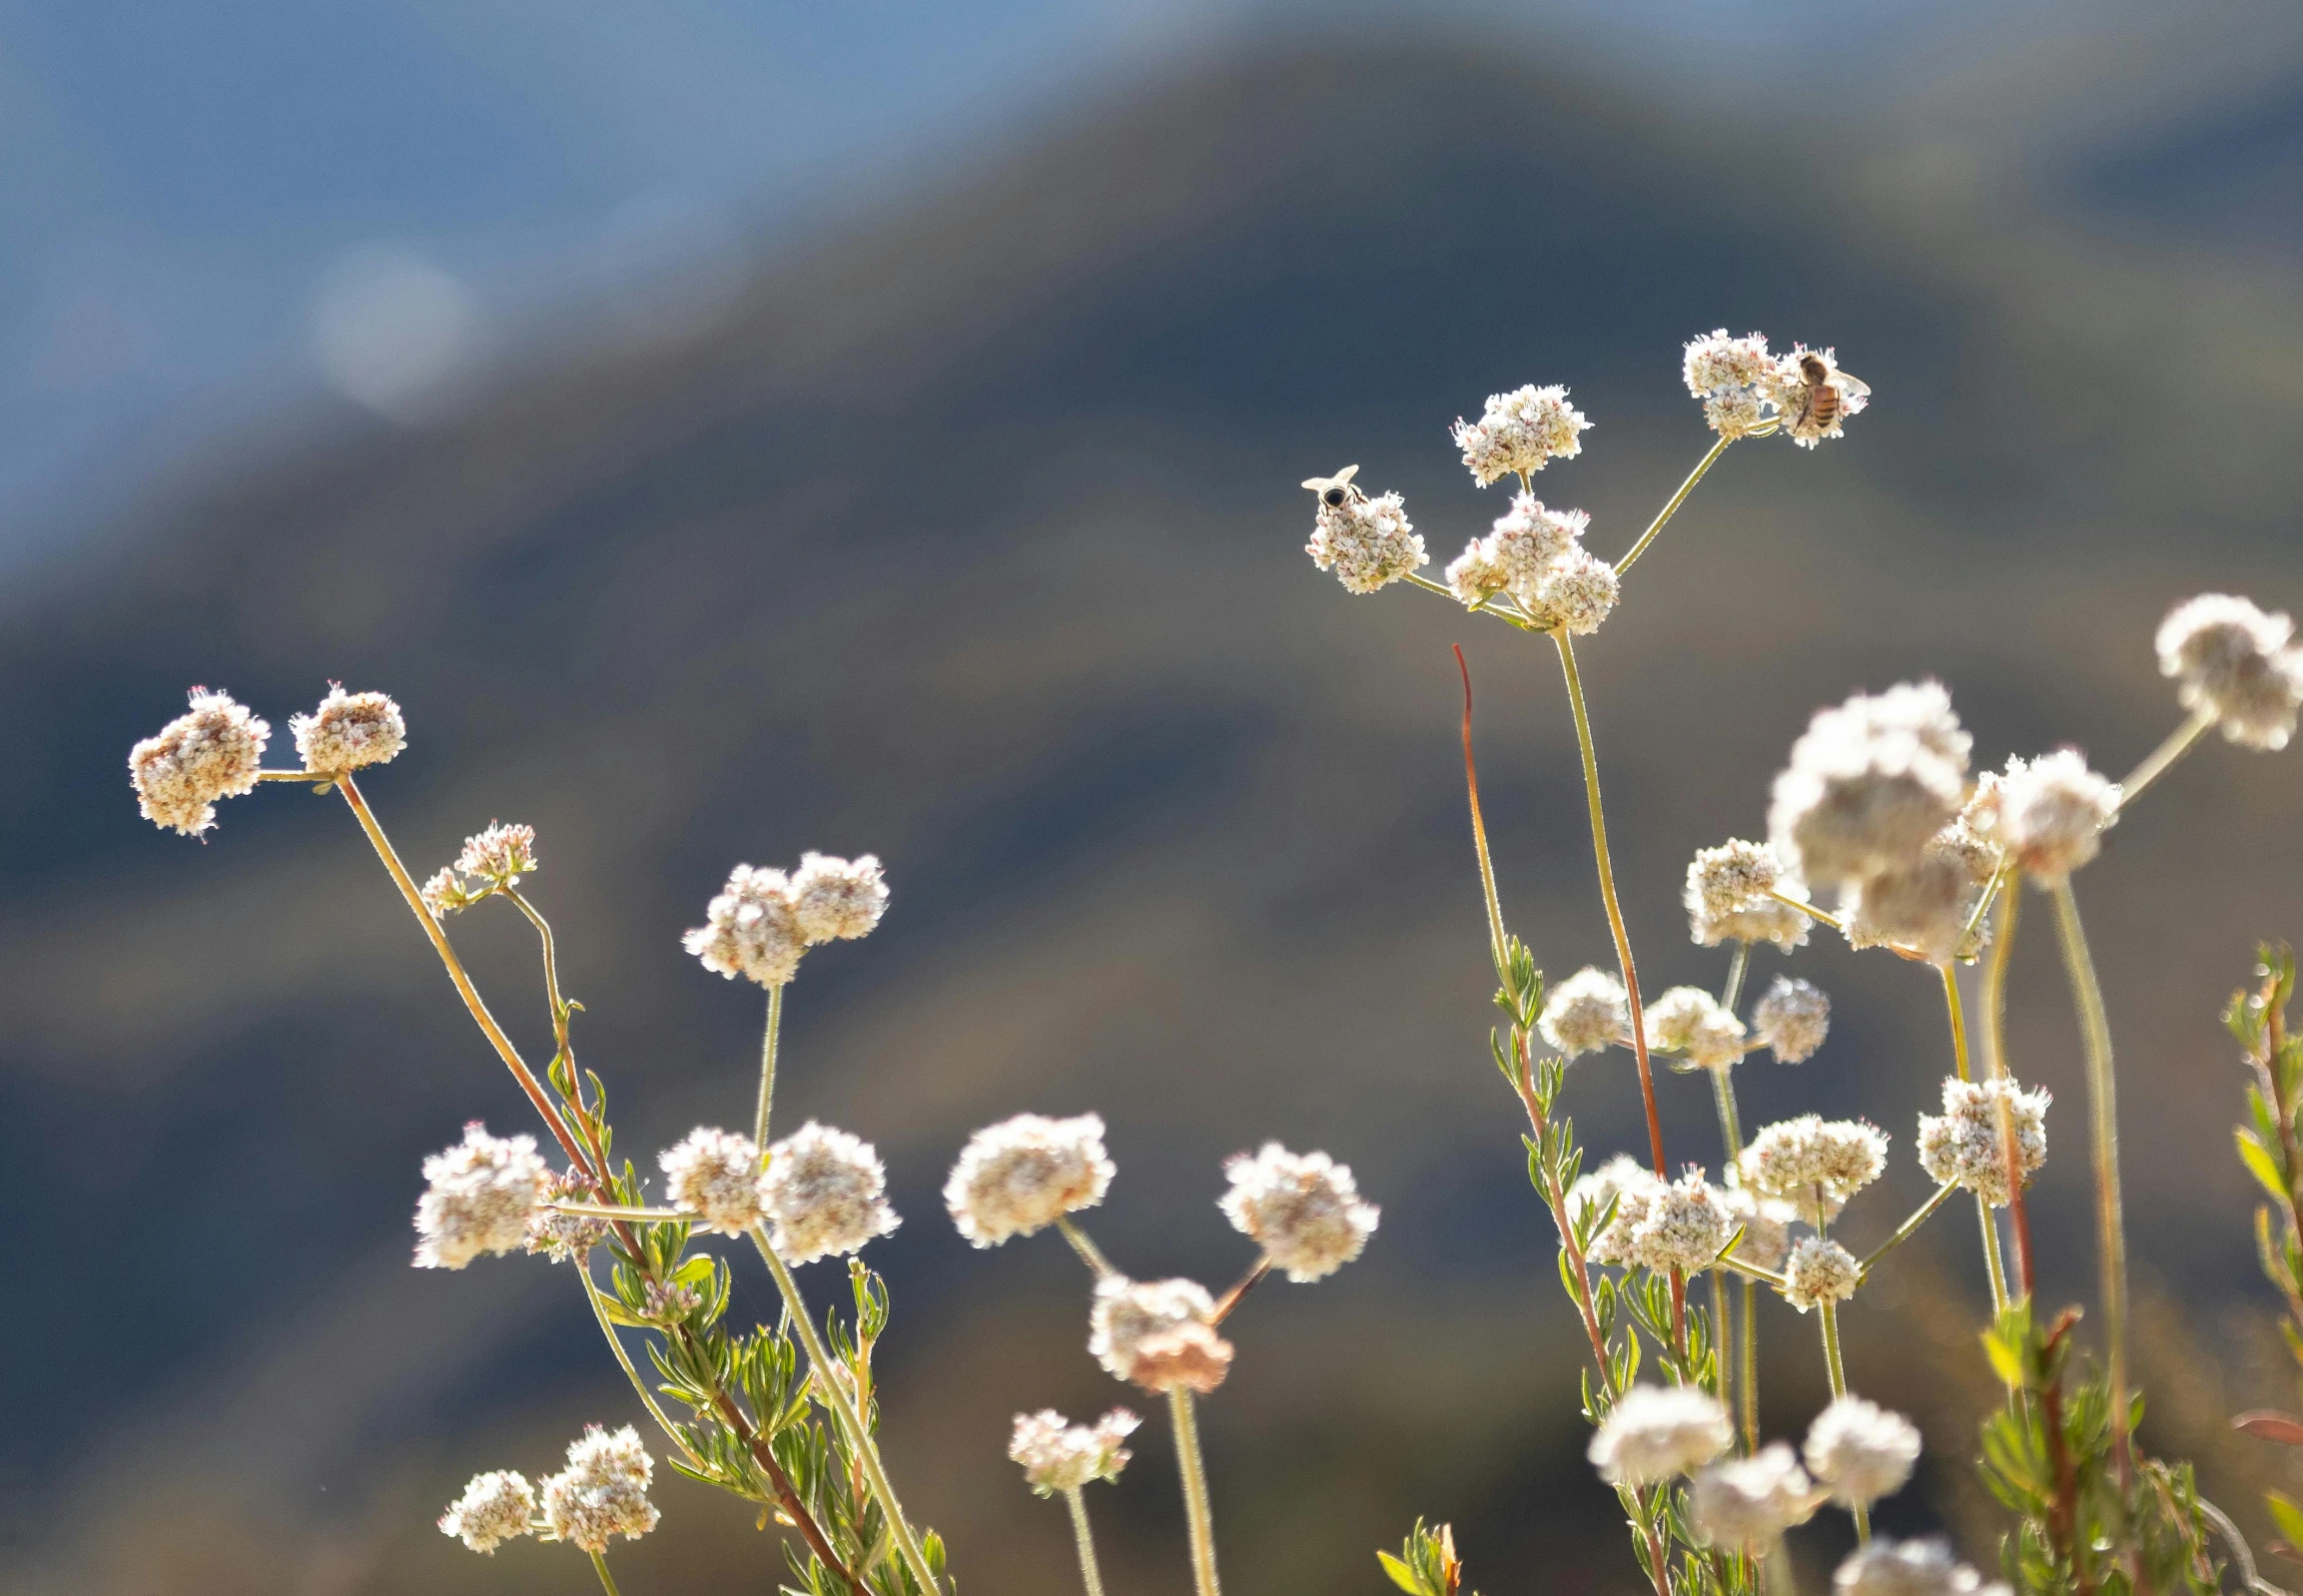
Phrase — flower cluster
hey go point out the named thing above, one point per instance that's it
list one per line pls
(1520, 433)
(2235, 665)
(763, 920)
(1587, 1011)
(715, 1174)
(1747, 1503)
(1862, 1451)
(1018, 1176)
(1726, 375)
(566, 1237)
(1303, 1210)
(1818, 1271)
(491, 860)
(825, 1192)
(1536, 554)
(1811, 394)
(1690, 1020)
(1910, 1568)
(212, 751)
(348, 731)
(604, 1491)
(1962, 1144)
(1156, 1334)
(1728, 896)
(1869, 783)
(1656, 1431)
(1791, 1020)
(478, 1196)
(1814, 1163)
(496, 1507)
(2048, 814)
(1059, 1455)
(1368, 542)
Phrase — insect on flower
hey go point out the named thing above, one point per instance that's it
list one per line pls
(1335, 491)
(1822, 397)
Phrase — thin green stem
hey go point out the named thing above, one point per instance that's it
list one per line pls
(1672, 509)
(1731, 1132)
(1750, 1394)
(624, 1361)
(2103, 1125)
(1194, 1472)
(2162, 759)
(1996, 1061)
(1481, 609)
(607, 1580)
(608, 1211)
(1830, 1313)
(1723, 1337)
(1090, 1254)
(1753, 1271)
(1495, 937)
(551, 990)
(1738, 962)
(1994, 1263)
(1090, 1576)
(833, 1383)
(768, 1066)
(1959, 1018)
(1905, 1230)
(1807, 908)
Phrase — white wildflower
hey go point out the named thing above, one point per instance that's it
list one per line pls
(751, 929)
(1928, 904)
(1792, 1019)
(1748, 1502)
(1870, 782)
(477, 1198)
(837, 898)
(1683, 1227)
(715, 1174)
(445, 893)
(1962, 1146)
(1910, 1568)
(1478, 574)
(214, 750)
(1303, 1210)
(1632, 1186)
(1690, 1020)
(1018, 1176)
(1862, 1451)
(2236, 664)
(1368, 542)
(1767, 1239)
(1733, 412)
(496, 1507)
(1155, 1333)
(1531, 541)
(1587, 1011)
(1814, 1163)
(826, 1192)
(1727, 896)
(566, 1237)
(348, 731)
(1656, 1431)
(1521, 432)
(1716, 360)
(1059, 1455)
(604, 1491)
(1576, 594)
(2050, 813)
(1819, 1270)
(1790, 385)
(501, 854)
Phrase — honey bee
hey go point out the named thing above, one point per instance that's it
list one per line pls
(1826, 395)
(1335, 491)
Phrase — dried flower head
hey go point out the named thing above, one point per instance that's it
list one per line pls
(1519, 433)
(1928, 905)
(1303, 1210)
(1130, 1314)
(1961, 1145)
(1585, 1013)
(715, 1174)
(751, 929)
(1727, 896)
(348, 731)
(212, 750)
(1656, 1431)
(1748, 1502)
(1690, 1019)
(1576, 594)
(567, 1237)
(2232, 661)
(1870, 782)
(1814, 1163)
(1368, 542)
(496, 1507)
(1819, 1270)
(1862, 1451)
(1765, 1222)
(1682, 1227)
(826, 1192)
(2049, 813)
(837, 898)
(1018, 1176)
(501, 855)
(1628, 1183)
(1910, 1568)
(1792, 1019)
(604, 1491)
(477, 1198)
(1059, 1455)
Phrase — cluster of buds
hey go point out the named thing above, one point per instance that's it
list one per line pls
(600, 1494)
(764, 919)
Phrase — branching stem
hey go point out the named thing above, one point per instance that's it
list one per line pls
(1671, 508)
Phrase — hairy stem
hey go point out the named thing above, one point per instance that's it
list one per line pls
(2103, 1128)
(1672, 507)
(1246, 1284)
(1090, 1576)
(1807, 909)
(607, 1580)
(1749, 1380)
(768, 1066)
(1090, 1254)
(2162, 759)
(1905, 1230)
(1830, 1313)
(1194, 1472)
(1495, 938)
(1579, 1272)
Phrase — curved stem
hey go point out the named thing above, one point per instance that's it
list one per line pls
(2162, 759)
(1672, 509)
(1090, 1576)
(624, 1361)
(1495, 937)
(607, 1580)
(2103, 1125)
(1194, 1470)
(768, 1066)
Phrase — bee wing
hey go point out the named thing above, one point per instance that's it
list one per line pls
(1855, 393)
(1320, 485)
(1344, 476)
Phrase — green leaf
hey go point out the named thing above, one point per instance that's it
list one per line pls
(2286, 1515)
(1404, 1577)
(2260, 1164)
(2006, 1360)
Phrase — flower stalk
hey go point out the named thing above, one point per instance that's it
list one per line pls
(1193, 1468)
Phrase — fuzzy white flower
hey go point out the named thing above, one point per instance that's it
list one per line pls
(1819, 1270)
(751, 929)
(1727, 896)
(1910, 1568)
(1928, 904)
(1792, 1019)
(1656, 1431)
(1576, 594)
(1532, 541)
(1521, 432)
(1155, 1333)
(1748, 1502)
(1765, 1222)
(1683, 1227)
(1715, 361)
(1368, 542)
(1059, 1455)
(826, 1192)
(496, 1507)
(604, 1491)
(501, 854)
(348, 731)
(2235, 662)
(1303, 1210)
(837, 898)
(1862, 1451)
(1632, 1186)
(1587, 1011)
(477, 1198)
(1790, 387)
(2051, 812)
(1478, 574)
(1870, 782)
(1018, 1176)
(1690, 1019)
(214, 750)
(1814, 1163)
(566, 1237)
(1733, 412)
(715, 1174)
(1962, 1145)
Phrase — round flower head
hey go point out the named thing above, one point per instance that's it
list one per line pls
(1576, 594)
(837, 898)
(715, 1174)
(501, 855)
(2232, 661)
(1926, 906)
(1733, 412)
(1521, 432)
(1962, 1147)
(1819, 1270)
(1792, 1019)
(1585, 1013)
(1727, 896)
(495, 1508)
(1656, 1431)
(1682, 1227)
(1478, 574)
(1814, 1163)
(751, 929)
(1531, 541)
(2050, 813)
(348, 731)
(826, 1192)
(1303, 1210)
(212, 751)
(1018, 1176)
(1765, 1222)
(1155, 1333)
(1632, 1186)
(477, 1198)
(1748, 1502)
(1716, 360)
(1862, 1451)
(1909, 1568)
(1870, 782)
(1791, 386)
(566, 1237)
(1368, 542)
(1690, 1019)
(604, 1491)
(1059, 1455)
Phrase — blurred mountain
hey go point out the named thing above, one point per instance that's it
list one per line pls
(970, 536)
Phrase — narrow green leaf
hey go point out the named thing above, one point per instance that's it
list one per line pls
(2260, 1164)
